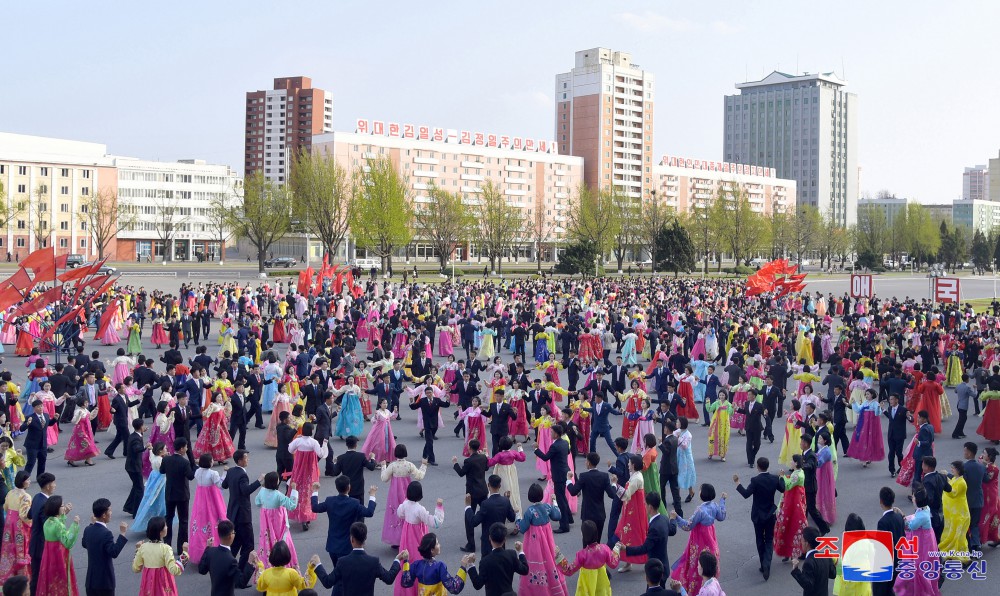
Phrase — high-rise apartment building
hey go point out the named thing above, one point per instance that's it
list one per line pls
(976, 183)
(993, 180)
(281, 121)
(806, 128)
(604, 114)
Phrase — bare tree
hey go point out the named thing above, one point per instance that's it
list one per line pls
(219, 218)
(323, 197)
(443, 222)
(40, 216)
(8, 211)
(104, 216)
(541, 232)
(654, 217)
(628, 232)
(166, 224)
(499, 224)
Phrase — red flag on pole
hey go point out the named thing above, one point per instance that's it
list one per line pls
(15, 288)
(106, 318)
(69, 316)
(81, 272)
(39, 302)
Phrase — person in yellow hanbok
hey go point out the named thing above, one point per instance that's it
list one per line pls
(804, 348)
(956, 514)
(790, 443)
(718, 431)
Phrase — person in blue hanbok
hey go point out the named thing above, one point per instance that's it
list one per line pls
(700, 369)
(272, 373)
(350, 420)
(628, 348)
(154, 501)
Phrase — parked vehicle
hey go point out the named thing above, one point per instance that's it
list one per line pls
(74, 261)
(285, 262)
(368, 263)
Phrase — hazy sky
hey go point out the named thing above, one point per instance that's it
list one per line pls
(166, 80)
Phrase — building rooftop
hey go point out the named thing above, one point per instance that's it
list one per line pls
(782, 78)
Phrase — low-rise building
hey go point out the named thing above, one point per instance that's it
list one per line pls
(685, 184)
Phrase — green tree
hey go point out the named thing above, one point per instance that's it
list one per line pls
(594, 218)
(981, 252)
(323, 197)
(578, 258)
(869, 234)
(742, 230)
(922, 236)
(442, 222)
(382, 211)
(628, 232)
(500, 224)
(807, 226)
(779, 232)
(263, 216)
(673, 250)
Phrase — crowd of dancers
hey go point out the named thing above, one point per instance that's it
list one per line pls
(532, 373)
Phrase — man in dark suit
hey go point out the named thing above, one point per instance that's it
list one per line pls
(599, 425)
(774, 403)
(102, 550)
(935, 485)
(36, 544)
(496, 570)
(537, 398)
(663, 376)
(396, 377)
(285, 434)
(195, 389)
(754, 413)
(355, 573)
(341, 512)
(353, 464)
(660, 528)
(889, 522)
(255, 382)
(465, 389)
(897, 416)
(134, 448)
(325, 414)
(668, 466)
(813, 574)
(572, 366)
(974, 472)
(182, 426)
(500, 414)
(495, 509)
(119, 412)
(619, 374)
(559, 468)
(219, 563)
(238, 420)
(474, 470)
(594, 484)
(809, 465)
(656, 574)
(178, 473)
(239, 511)
(313, 393)
(430, 406)
(599, 386)
(925, 443)
(762, 488)
(36, 442)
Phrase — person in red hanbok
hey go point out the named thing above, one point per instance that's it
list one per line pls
(989, 521)
(633, 404)
(104, 416)
(306, 453)
(214, 438)
(25, 341)
(518, 426)
(930, 392)
(989, 428)
(791, 519)
(685, 388)
(633, 524)
(14, 556)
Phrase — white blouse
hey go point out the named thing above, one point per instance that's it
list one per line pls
(207, 477)
(415, 513)
(308, 444)
(401, 468)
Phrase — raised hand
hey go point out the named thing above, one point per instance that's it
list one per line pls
(403, 555)
(736, 479)
(440, 502)
(122, 528)
(454, 460)
(518, 546)
(210, 542)
(315, 487)
(372, 490)
(291, 486)
(725, 496)
(315, 561)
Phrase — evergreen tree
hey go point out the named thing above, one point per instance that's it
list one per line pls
(673, 250)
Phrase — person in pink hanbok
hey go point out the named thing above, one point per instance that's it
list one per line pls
(380, 442)
(282, 403)
(14, 556)
(155, 560)
(503, 466)
(306, 453)
(207, 508)
(417, 521)
(475, 427)
(81, 445)
(123, 366)
(274, 507)
(399, 474)
(445, 345)
(49, 403)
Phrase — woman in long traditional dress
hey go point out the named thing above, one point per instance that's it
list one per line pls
(274, 507)
(155, 560)
(842, 587)
(350, 420)
(122, 366)
(956, 514)
(272, 376)
(793, 431)
(416, 522)
(519, 425)
(399, 474)
(650, 467)
(718, 431)
(207, 508)
(989, 523)
(644, 424)
(503, 466)
(543, 424)
(282, 403)
(214, 438)
(633, 410)
(591, 561)
(154, 500)
(920, 533)
(306, 453)
(381, 442)
(543, 577)
(475, 427)
(826, 484)
(633, 524)
(702, 538)
(56, 574)
(867, 444)
(791, 519)
(687, 476)
(163, 432)
(50, 402)
(14, 556)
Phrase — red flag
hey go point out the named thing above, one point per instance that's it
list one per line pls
(9, 296)
(39, 302)
(21, 281)
(338, 283)
(15, 288)
(61, 261)
(350, 278)
(106, 318)
(39, 258)
(81, 272)
(301, 286)
(69, 316)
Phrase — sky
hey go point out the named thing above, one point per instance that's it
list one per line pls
(167, 80)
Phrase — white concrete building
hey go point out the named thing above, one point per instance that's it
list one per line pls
(976, 183)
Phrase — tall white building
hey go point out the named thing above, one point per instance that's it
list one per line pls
(604, 114)
(806, 127)
(976, 183)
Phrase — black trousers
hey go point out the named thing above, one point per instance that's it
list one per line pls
(429, 444)
(328, 467)
(675, 491)
(36, 562)
(36, 455)
(135, 494)
(975, 515)
(243, 542)
(467, 346)
(606, 433)
(753, 446)
(769, 426)
(470, 537)
(960, 426)
(255, 412)
(813, 512)
(285, 463)
(559, 485)
(496, 444)
(840, 435)
(764, 532)
(895, 454)
(180, 509)
(616, 512)
(96, 592)
(121, 433)
(599, 522)
(237, 426)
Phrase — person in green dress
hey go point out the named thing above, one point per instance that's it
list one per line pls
(56, 576)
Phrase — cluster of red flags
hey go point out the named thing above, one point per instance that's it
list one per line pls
(43, 266)
(778, 277)
(339, 275)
